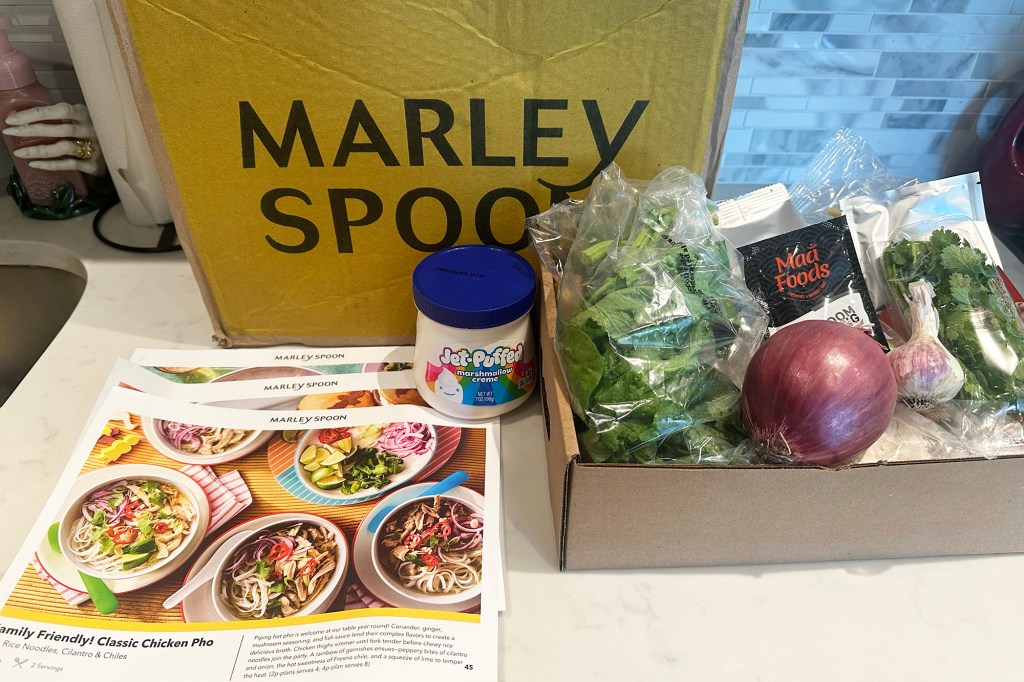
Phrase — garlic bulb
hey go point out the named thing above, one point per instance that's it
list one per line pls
(926, 373)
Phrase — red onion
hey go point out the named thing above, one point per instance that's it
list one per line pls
(403, 439)
(119, 512)
(182, 434)
(817, 392)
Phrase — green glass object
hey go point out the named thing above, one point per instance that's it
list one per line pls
(66, 203)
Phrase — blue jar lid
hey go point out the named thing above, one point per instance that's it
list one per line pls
(474, 287)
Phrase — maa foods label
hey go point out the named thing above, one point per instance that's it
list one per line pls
(319, 150)
(811, 274)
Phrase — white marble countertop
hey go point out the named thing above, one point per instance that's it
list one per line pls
(937, 619)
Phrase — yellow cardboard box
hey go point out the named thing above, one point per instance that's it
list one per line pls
(314, 151)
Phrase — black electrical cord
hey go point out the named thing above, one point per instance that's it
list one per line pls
(164, 245)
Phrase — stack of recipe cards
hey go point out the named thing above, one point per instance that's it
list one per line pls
(279, 512)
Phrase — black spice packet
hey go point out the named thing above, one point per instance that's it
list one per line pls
(811, 274)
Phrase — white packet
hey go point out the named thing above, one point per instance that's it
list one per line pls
(760, 214)
(911, 437)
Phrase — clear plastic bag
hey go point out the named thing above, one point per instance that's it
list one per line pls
(912, 437)
(845, 167)
(978, 324)
(553, 233)
(655, 325)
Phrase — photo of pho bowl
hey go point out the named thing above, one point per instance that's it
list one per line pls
(128, 520)
(291, 564)
(202, 445)
(362, 461)
(430, 550)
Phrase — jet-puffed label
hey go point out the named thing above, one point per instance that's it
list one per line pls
(490, 375)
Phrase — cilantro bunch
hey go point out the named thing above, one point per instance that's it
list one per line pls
(977, 321)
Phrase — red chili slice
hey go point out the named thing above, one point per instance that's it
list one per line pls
(430, 560)
(279, 552)
(123, 535)
(308, 568)
(441, 529)
(328, 436)
(413, 541)
(132, 508)
(160, 527)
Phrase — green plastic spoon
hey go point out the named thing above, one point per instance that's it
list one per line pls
(102, 598)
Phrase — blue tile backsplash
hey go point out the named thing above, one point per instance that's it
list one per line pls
(925, 82)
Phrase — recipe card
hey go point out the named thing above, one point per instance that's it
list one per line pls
(284, 387)
(264, 543)
(201, 366)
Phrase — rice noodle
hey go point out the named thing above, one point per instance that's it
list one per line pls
(446, 533)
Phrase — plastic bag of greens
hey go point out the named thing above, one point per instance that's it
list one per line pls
(972, 316)
(655, 325)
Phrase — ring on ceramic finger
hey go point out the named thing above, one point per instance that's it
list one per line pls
(83, 149)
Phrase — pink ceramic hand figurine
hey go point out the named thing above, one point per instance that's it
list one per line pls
(77, 150)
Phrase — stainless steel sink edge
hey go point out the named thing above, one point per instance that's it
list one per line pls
(40, 287)
(38, 254)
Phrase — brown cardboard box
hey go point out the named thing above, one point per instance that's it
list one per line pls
(314, 151)
(629, 516)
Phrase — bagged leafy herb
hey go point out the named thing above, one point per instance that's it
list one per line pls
(978, 323)
(655, 325)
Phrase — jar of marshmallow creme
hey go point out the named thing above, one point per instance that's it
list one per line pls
(474, 355)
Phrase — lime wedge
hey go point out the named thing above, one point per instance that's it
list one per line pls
(336, 456)
(308, 455)
(329, 483)
(322, 472)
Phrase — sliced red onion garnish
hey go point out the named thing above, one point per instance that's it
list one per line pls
(180, 433)
(404, 439)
